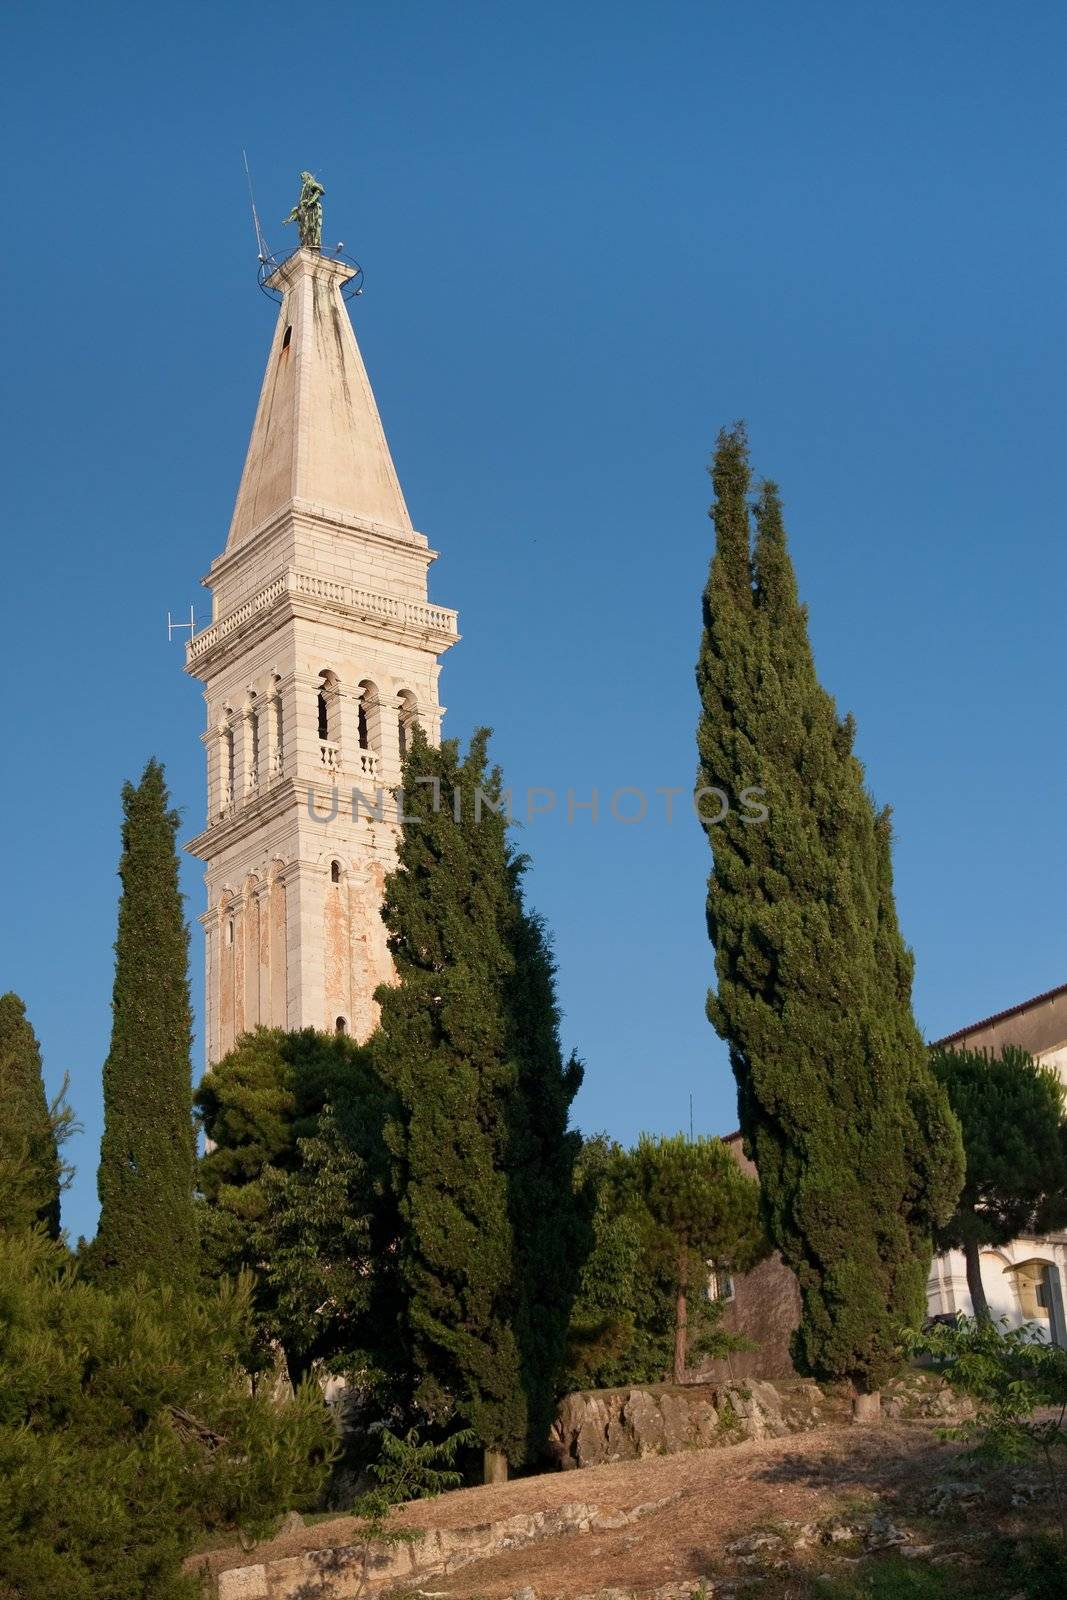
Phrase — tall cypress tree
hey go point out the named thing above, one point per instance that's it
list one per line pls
(468, 1044)
(30, 1172)
(551, 1217)
(859, 1156)
(145, 1178)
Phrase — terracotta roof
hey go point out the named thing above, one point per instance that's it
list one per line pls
(1000, 1016)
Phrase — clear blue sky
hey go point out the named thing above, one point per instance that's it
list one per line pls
(592, 234)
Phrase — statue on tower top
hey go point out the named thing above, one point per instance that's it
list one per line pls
(307, 213)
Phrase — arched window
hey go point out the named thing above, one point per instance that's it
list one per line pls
(329, 735)
(1033, 1288)
(341, 1025)
(369, 727)
(408, 715)
(335, 872)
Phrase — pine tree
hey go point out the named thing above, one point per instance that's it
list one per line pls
(695, 1206)
(1011, 1111)
(858, 1154)
(30, 1170)
(145, 1179)
(293, 1189)
(128, 1431)
(468, 1044)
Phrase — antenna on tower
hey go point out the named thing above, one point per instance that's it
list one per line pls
(261, 243)
(176, 627)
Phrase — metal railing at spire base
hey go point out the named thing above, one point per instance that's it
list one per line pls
(269, 264)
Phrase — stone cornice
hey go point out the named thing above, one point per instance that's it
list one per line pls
(305, 594)
(273, 802)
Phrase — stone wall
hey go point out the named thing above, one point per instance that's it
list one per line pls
(357, 1571)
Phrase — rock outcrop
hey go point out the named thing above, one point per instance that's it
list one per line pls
(598, 1425)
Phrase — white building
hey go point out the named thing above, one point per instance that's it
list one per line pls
(322, 651)
(1024, 1281)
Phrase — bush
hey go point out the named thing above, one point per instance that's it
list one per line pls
(1012, 1375)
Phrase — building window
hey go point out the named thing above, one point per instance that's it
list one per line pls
(1031, 1284)
(287, 336)
(335, 872)
(341, 1026)
(329, 691)
(229, 931)
(721, 1284)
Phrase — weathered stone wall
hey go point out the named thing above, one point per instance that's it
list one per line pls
(355, 1570)
(765, 1309)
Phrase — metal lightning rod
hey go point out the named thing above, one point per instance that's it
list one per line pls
(261, 243)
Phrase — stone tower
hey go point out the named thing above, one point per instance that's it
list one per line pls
(321, 653)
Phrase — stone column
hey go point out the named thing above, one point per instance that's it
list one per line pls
(389, 739)
(304, 893)
(268, 738)
(346, 706)
(300, 710)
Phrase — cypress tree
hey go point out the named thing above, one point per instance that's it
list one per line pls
(551, 1218)
(859, 1156)
(468, 1044)
(30, 1171)
(145, 1179)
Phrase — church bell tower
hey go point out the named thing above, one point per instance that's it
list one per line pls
(322, 652)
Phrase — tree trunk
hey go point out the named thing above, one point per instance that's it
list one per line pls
(867, 1408)
(494, 1466)
(681, 1320)
(979, 1303)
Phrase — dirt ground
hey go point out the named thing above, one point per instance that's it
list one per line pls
(721, 1495)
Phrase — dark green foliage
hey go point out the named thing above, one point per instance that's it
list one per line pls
(858, 1154)
(294, 1189)
(621, 1322)
(662, 1212)
(1011, 1111)
(265, 1095)
(468, 1045)
(549, 1218)
(127, 1429)
(30, 1169)
(145, 1178)
(316, 1244)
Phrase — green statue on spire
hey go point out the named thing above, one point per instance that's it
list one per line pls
(307, 213)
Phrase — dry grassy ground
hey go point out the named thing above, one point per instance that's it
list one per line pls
(721, 1496)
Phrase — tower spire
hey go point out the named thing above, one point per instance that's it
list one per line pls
(317, 441)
